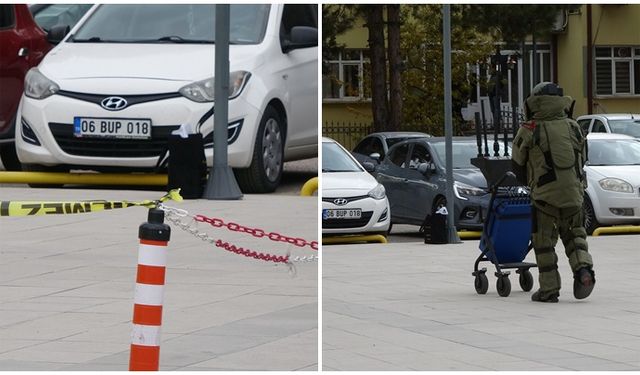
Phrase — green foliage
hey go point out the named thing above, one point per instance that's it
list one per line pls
(512, 23)
(336, 19)
(423, 76)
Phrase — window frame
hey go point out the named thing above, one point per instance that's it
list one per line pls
(342, 63)
(631, 60)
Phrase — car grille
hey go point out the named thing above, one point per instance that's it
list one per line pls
(348, 223)
(348, 199)
(112, 147)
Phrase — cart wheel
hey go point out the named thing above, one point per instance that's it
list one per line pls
(526, 280)
(481, 283)
(503, 285)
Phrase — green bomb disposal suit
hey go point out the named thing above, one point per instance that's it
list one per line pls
(548, 154)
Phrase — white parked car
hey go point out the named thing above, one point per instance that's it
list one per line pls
(621, 123)
(128, 74)
(352, 200)
(613, 177)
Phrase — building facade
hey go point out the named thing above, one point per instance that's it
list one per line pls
(593, 53)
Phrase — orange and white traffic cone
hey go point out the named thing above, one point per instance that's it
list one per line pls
(147, 310)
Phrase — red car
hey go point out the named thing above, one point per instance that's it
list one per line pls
(23, 44)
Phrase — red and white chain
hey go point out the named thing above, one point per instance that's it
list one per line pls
(174, 215)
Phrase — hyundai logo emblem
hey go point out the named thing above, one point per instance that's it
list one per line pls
(114, 103)
(340, 202)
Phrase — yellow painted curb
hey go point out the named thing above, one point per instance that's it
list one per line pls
(469, 235)
(617, 230)
(57, 178)
(309, 187)
(351, 239)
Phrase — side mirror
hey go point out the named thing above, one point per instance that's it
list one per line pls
(57, 33)
(369, 167)
(375, 156)
(301, 37)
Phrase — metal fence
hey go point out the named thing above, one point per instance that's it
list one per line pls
(349, 134)
(346, 133)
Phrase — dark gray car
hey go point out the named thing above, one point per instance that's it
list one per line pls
(414, 176)
(375, 146)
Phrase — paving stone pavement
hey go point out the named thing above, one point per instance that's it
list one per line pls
(411, 306)
(67, 283)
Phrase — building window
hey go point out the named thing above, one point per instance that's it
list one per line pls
(617, 70)
(346, 76)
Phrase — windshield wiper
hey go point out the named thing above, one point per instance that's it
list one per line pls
(179, 39)
(93, 39)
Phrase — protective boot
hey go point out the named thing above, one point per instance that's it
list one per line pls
(538, 296)
(584, 280)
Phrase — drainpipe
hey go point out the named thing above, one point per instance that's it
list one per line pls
(589, 62)
(554, 61)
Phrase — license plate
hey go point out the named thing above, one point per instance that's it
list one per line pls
(353, 213)
(112, 127)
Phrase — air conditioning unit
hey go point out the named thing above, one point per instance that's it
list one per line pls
(560, 24)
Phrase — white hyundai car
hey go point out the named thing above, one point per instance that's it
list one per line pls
(127, 75)
(352, 200)
(613, 177)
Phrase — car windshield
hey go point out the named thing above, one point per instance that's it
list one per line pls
(171, 23)
(629, 127)
(614, 152)
(463, 152)
(335, 159)
(60, 14)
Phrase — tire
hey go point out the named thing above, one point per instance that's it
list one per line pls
(41, 168)
(526, 280)
(265, 172)
(481, 283)
(9, 158)
(590, 221)
(503, 285)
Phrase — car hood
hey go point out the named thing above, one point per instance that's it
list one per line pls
(470, 176)
(347, 184)
(164, 66)
(629, 173)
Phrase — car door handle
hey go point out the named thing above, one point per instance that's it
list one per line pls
(22, 52)
(406, 180)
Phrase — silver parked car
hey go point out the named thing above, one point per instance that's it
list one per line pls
(613, 177)
(621, 123)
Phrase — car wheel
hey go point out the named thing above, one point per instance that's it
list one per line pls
(9, 158)
(590, 221)
(42, 168)
(265, 172)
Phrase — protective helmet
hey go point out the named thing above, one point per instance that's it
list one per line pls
(543, 88)
(547, 88)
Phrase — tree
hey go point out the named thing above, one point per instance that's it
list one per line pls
(336, 19)
(379, 102)
(395, 67)
(423, 80)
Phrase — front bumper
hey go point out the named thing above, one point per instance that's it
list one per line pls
(51, 121)
(617, 208)
(376, 216)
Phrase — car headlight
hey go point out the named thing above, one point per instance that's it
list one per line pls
(37, 86)
(377, 192)
(463, 190)
(616, 184)
(203, 91)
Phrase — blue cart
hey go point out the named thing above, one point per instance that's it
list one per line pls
(506, 238)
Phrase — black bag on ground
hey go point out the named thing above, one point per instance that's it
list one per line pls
(187, 165)
(435, 229)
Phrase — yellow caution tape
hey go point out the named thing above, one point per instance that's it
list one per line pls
(26, 208)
